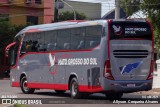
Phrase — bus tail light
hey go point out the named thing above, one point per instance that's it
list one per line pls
(150, 76)
(107, 70)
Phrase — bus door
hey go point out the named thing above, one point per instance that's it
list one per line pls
(32, 58)
(131, 49)
(13, 55)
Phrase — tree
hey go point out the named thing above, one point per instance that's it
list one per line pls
(130, 6)
(67, 15)
(7, 34)
(151, 8)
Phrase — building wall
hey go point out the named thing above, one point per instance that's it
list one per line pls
(18, 11)
(49, 11)
(91, 10)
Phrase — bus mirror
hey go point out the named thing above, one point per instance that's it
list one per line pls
(8, 47)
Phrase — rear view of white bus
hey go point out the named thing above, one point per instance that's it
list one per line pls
(129, 67)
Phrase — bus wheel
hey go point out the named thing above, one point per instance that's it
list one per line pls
(59, 91)
(74, 89)
(113, 96)
(24, 87)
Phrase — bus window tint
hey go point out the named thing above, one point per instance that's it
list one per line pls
(93, 36)
(14, 51)
(77, 38)
(34, 42)
(50, 40)
(131, 30)
(40, 41)
(63, 40)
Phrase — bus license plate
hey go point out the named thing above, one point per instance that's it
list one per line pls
(131, 85)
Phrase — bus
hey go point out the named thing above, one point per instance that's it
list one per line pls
(112, 57)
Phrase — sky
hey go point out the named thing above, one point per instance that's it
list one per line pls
(107, 5)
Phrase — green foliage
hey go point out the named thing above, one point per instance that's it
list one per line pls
(7, 34)
(130, 6)
(63, 16)
(19, 105)
(152, 10)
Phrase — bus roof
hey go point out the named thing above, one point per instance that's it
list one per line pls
(68, 24)
(59, 25)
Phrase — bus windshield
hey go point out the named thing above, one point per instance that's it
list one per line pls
(13, 51)
(131, 30)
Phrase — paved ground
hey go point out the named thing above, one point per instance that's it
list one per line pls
(5, 90)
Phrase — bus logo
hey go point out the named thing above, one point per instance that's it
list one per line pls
(51, 60)
(117, 30)
(129, 67)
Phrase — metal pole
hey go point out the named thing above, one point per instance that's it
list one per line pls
(71, 8)
(117, 9)
(55, 12)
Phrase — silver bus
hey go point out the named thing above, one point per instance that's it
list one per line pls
(102, 56)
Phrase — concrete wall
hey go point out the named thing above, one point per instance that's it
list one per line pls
(91, 10)
(18, 10)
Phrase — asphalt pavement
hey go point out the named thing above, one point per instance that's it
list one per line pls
(94, 100)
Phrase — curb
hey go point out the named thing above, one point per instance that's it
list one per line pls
(11, 105)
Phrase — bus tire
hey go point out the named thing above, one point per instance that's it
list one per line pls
(59, 91)
(24, 88)
(75, 94)
(113, 96)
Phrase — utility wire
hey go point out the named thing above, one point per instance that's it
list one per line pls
(145, 4)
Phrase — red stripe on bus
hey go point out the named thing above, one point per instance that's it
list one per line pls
(131, 39)
(48, 86)
(85, 88)
(109, 22)
(15, 84)
(32, 30)
(150, 76)
(82, 88)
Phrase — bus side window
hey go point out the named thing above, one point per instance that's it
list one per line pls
(51, 46)
(40, 38)
(66, 46)
(77, 38)
(50, 40)
(81, 45)
(33, 42)
(23, 48)
(63, 38)
(93, 36)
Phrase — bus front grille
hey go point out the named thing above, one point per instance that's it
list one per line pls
(130, 53)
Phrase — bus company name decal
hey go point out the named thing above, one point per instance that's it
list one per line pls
(134, 30)
(77, 61)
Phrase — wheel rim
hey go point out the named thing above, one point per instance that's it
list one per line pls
(25, 85)
(74, 88)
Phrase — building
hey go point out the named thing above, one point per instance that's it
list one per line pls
(111, 14)
(27, 11)
(91, 10)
